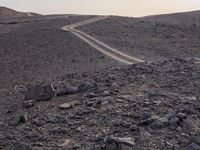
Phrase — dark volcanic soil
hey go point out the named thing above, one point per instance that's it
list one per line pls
(57, 92)
(148, 39)
(155, 105)
(39, 50)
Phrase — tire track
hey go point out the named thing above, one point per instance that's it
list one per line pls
(98, 45)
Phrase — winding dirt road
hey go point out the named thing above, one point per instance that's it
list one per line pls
(98, 45)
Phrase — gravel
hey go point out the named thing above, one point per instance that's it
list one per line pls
(156, 107)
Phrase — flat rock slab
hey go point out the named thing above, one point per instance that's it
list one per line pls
(69, 105)
(39, 92)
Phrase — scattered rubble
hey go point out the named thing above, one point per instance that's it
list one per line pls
(160, 111)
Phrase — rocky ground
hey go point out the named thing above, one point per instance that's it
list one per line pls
(142, 106)
(37, 49)
(57, 92)
(153, 38)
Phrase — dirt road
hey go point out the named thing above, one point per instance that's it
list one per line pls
(98, 45)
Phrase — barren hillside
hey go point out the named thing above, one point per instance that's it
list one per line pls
(6, 12)
(184, 18)
(65, 83)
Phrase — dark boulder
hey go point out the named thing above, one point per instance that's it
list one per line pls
(39, 92)
(21, 147)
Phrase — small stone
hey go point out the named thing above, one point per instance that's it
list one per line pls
(111, 146)
(87, 86)
(90, 95)
(21, 147)
(145, 122)
(21, 119)
(125, 140)
(196, 139)
(38, 122)
(174, 122)
(188, 109)
(120, 100)
(146, 115)
(59, 130)
(106, 93)
(134, 129)
(144, 135)
(126, 97)
(176, 147)
(163, 120)
(65, 106)
(39, 92)
(193, 146)
(157, 125)
(69, 105)
(28, 104)
(20, 89)
(192, 123)
(66, 143)
(181, 116)
(95, 103)
(38, 144)
(67, 91)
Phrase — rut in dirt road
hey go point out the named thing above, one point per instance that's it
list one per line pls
(98, 45)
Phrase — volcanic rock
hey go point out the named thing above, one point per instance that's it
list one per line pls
(68, 90)
(39, 92)
(119, 143)
(21, 147)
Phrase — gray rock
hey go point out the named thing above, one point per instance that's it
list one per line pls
(125, 140)
(145, 122)
(39, 92)
(188, 109)
(193, 146)
(146, 115)
(17, 120)
(87, 86)
(95, 102)
(111, 146)
(181, 116)
(159, 124)
(144, 135)
(68, 90)
(69, 105)
(90, 95)
(134, 129)
(21, 147)
(20, 89)
(192, 123)
(196, 139)
(174, 122)
(28, 104)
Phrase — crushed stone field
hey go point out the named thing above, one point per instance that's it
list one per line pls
(63, 89)
(142, 106)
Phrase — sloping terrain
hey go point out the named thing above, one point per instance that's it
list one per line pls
(146, 39)
(57, 91)
(184, 18)
(143, 106)
(41, 50)
(7, 12)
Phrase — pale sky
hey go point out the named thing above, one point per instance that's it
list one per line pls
(133, 8)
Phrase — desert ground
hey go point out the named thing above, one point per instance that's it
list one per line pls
(77, 82)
